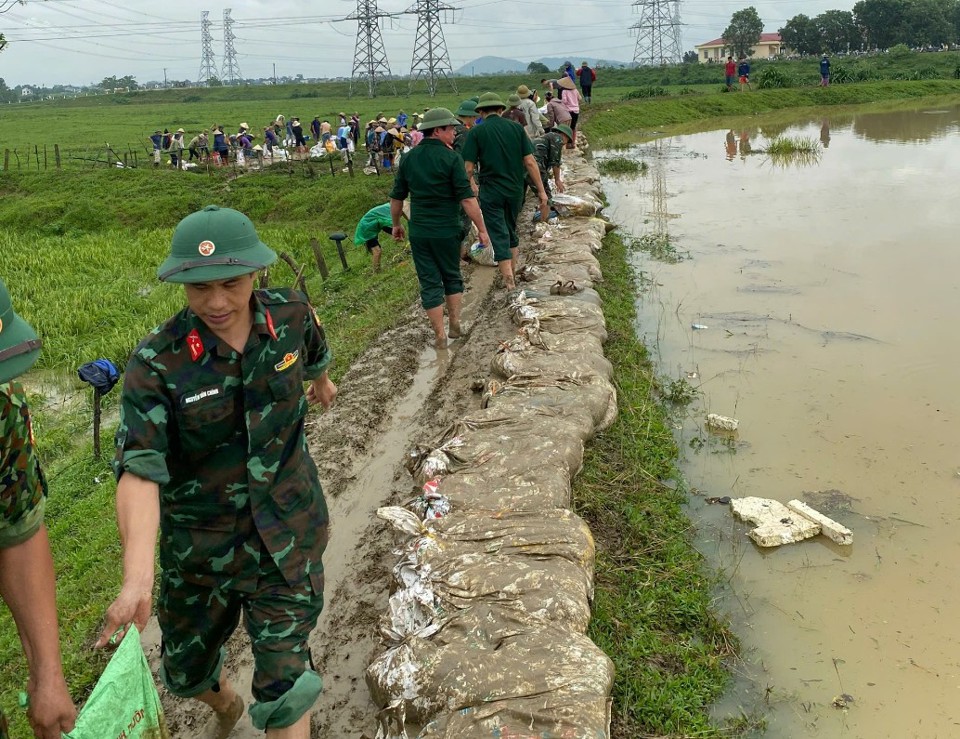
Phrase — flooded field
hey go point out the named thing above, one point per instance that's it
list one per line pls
(826, 297)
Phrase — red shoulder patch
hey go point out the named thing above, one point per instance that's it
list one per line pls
(195, 345)
(270, 328)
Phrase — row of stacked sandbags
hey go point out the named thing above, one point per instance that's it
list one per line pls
(485, 635)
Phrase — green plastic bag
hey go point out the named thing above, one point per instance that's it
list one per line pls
(124, 704)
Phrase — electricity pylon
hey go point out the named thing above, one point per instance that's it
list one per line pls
(231, 70)
(369, 58)
(658, 33)
(208, 64)
(430, 57)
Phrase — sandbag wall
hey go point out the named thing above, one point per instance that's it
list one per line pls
(485, 635)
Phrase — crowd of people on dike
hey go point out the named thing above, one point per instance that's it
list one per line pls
(472, 167)
(740, 72)
(211, 459)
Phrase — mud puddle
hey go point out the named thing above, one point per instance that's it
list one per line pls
(399, 393)
(825, 298)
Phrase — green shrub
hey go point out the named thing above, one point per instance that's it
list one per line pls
(774, 77)
(618, 165)
(645, 92)
(900, 51)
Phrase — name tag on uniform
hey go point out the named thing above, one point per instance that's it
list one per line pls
(203, 394)
(289, 359)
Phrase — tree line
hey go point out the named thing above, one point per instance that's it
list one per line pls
(875, 24)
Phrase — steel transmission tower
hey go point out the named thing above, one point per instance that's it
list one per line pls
(208, 66)
(658, 33)
(369, 58)
(231, 70)
(430, 57)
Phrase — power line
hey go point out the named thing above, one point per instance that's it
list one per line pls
(369, 57)
(231, 70)
(430, 57)
(658, 33)
(208, 65)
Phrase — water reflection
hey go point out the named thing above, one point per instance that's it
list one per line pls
(731, 145)
(825, 133)
(908, 125)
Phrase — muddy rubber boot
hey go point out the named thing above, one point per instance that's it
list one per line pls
(221, 724)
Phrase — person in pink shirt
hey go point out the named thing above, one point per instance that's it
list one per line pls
(570, 97)
(416, 136)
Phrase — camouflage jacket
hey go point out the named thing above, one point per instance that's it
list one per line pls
(222, 433)
(459, 138)
(23, 489)
(548, 149)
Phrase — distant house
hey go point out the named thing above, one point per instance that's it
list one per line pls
(26, 91)
(770, 44)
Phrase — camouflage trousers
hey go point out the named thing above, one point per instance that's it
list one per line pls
(196, 622)
(543, 178)
(4, 727)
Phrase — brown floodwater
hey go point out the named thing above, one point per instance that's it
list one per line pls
(830, 293)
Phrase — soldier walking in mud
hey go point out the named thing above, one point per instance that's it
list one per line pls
(211, 450)
(27, 583)
(504, 155)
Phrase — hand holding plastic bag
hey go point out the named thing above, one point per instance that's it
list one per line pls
(124, 704)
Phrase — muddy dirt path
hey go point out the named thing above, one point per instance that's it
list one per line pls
(398, 393)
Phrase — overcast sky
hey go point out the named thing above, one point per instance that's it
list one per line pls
(83, 41)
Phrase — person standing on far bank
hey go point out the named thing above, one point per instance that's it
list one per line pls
(433, 177)
(211, 452)
(825, 72)
(743, 69)
(504, 154)
(27, 578)
(587, 78)
(730, 70)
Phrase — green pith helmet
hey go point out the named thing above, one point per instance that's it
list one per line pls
(513, 101)
(565, 130)
(490, 100)
(467, 109)
(437, 118)
(214, 244)
(19, 345)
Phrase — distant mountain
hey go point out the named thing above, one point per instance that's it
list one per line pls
(497, 64)
(490, 65)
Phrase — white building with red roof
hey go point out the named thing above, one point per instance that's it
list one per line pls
(769, 45)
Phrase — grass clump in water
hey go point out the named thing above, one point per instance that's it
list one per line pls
(619, 166)
(659, 246)
(653, 607)
(786, 151)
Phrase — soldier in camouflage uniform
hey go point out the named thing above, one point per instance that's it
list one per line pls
(211, 449)
(27, 582)
(548, 153)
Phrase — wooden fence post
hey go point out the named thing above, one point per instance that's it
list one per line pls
(44, 156)
(6, 159)
(318, 255)
(56, 154)
(36, 154)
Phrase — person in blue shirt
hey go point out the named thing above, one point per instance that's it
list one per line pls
(743, 69)
(401, 119)
(157, 141)
(824, 72)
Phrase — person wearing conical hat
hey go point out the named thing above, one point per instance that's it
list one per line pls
(433, 177)
(570, 97)
(27, 579)
(504, 154)
(211, 454)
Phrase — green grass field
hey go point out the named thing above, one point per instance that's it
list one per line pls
(79, 251)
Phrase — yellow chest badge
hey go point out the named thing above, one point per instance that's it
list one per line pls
(289, 359)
